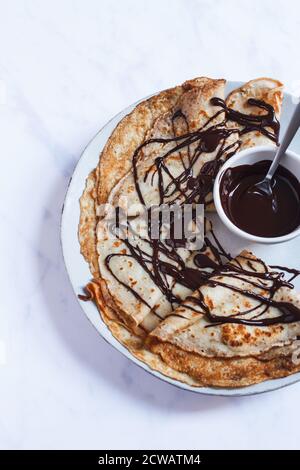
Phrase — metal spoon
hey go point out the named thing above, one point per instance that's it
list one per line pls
(265, 186)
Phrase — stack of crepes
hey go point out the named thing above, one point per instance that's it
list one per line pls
(199, 316)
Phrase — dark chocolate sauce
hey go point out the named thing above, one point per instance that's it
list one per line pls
(288, 313)
(195, 188)
(84, 297)
(187, 188)
(252, 210)
(266, 124)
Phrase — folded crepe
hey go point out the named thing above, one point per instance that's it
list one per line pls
(168, 168)
(168, 150)
(245, 314)
(255, 108)
(148, 119)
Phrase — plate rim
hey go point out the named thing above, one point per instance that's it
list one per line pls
(106, 334)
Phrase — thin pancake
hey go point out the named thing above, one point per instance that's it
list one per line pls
(191, 368)
(116, 157)
(88, 223)
(228, 295)
(231, 354)
(148, 120)
(128, 283)
(263, 89)
(134, 342)
(220, 372)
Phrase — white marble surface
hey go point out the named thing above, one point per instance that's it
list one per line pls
(65, 68)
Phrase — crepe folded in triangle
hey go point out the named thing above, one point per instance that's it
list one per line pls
(134, 280)
(148, 120)
(261, 101)
(168, 151)
(246, 313)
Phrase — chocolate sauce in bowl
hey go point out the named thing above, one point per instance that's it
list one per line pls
(252, 210)
(190, 187)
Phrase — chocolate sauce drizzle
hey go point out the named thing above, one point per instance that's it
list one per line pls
(268, 281)
(193, 188)
(267, 123)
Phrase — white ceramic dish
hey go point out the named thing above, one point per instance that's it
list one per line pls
(291, 161)
(79, 274)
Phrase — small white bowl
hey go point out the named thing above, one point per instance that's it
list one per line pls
(291, 161)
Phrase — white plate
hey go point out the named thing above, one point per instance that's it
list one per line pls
(79, 273)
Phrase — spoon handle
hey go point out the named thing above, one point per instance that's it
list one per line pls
(288, 137)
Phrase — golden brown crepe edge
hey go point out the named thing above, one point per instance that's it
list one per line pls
(133, 342)
(113, 165)
(273, 96)
(88, 225)
(110, 170)
(115, 159)
(230, 373)
(191, 368)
